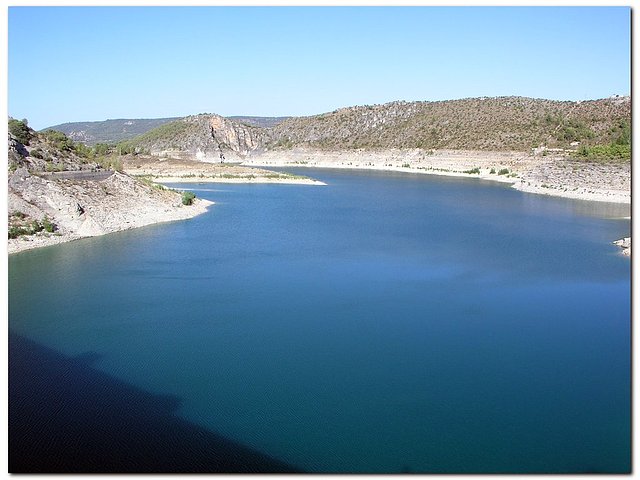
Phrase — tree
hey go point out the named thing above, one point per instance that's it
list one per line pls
(20, 130)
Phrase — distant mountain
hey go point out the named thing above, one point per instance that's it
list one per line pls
(114, 131)
(109, 131)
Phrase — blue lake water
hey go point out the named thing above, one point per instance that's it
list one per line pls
(381, 323)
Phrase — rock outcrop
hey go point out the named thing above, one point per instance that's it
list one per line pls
(48, 208)
(204, 137)
(625, 245)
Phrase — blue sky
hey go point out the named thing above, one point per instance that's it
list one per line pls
(92, 63)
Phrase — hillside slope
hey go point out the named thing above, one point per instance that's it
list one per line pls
(495, 124)
(481, 124)
(109, 131)
(204, 137)
(56, 195)
(118, 130)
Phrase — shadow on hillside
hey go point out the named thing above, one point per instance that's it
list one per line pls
(65, 416)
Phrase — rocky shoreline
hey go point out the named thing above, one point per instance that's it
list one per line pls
(551, 174)
(83, 208)
(87, 208)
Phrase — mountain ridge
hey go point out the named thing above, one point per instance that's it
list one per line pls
(505, 123)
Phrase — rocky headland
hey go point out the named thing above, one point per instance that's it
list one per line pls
(56, 196)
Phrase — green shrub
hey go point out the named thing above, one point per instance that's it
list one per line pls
(103, 148)
(59, 140)
(625, 134)
(15, 232)
(84, 151)
(493, 170)
(503, 171)
(48, 225)
(37, 153)
(110, 162)
(35, 227)
(473, 170)
(53, 167)
(20, 130)
(125, 148)
(611, 151)
(188, 197)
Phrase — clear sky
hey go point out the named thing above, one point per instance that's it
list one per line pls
(70, 64)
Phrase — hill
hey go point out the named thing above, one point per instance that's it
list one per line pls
(493, 124)
(118, 130)
(60, 191)
(204, 136)
(485, 124)
(108, 131)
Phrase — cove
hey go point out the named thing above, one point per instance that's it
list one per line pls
(383, 323)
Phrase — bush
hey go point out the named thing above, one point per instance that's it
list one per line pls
(58, 139)
(473, 170)
(37, 153)
(493, 170)
(503, 171)
(625, 134)
(103, 148)
(612, 151)
(48, 225)
(84, 151)
(20, 130)
(15, 232)
(188, 197)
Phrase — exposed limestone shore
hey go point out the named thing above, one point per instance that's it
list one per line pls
(86, 208)
(175, 170)
(548, 175)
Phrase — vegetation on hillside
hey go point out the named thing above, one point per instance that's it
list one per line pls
(108, 131)
(618, 149)
(20, 129)
(498, 123)
(592, 129)
(170, 133)
(21, 224)
(122, 130)
(53, 151)
(207, 133)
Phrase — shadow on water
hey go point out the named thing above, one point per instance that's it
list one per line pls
(67, 417)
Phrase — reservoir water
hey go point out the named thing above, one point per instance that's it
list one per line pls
(381, 323)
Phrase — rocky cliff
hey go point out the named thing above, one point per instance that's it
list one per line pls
(204, 137)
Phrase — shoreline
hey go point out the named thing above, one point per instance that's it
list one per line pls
(30, 242)
(553, 176)
(261, 180)
(525, 173)
(173, 170)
